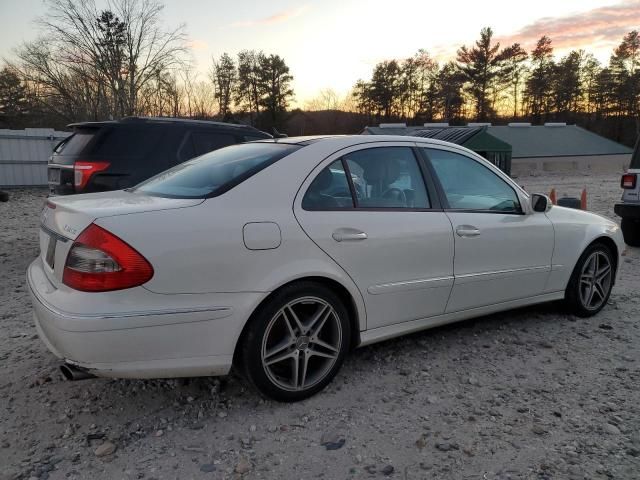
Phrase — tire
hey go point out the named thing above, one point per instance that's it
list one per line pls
(590, 285)
(282, 334)
(4, 196)
(631, 232)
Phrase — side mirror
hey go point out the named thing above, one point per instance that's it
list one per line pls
(540, 202)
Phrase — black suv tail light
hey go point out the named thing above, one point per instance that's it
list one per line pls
(82, 172)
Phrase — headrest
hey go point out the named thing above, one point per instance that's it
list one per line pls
(377, 170)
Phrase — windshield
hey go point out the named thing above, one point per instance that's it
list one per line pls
(216, 172)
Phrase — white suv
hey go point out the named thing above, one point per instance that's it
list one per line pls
(629, 209)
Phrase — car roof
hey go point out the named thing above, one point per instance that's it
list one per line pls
(302, 140)
(349, 140)
(165, 120)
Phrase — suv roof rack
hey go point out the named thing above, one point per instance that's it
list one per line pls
(162, 120)
(183, 120)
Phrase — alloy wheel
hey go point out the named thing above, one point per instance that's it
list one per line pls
(595, 280)
(301, 343)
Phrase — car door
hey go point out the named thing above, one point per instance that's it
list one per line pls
(369, 209)
(501, 252)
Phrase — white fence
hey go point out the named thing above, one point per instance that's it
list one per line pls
(24, 155)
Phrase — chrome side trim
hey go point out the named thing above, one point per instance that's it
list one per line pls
(59, 165)
(478, 277)
(410, 285)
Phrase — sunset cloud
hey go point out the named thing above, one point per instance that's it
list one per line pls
(602, 27)
(277, 18)
(196, 44)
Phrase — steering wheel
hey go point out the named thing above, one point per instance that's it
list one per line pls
(395, 194)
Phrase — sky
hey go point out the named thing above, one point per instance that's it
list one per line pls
(333, 43)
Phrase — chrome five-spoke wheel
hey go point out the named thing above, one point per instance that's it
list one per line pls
(296, 343)
(301, 343)
(591, 281)
(595, 280)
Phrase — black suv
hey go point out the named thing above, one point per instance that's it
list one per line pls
(112, 155)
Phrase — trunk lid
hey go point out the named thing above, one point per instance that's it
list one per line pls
(64, 218)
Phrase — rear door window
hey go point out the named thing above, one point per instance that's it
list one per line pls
(185, 149)
(126, 142)
(329, 190)
(205, 142)
(387, 177)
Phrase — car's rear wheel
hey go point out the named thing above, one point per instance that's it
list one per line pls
(296, 343)
(631, 232)
(591, 281)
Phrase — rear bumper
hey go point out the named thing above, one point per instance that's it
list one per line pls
(172, 339)
(627, 210)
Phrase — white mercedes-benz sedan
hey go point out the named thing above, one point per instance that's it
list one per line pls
(278, 257)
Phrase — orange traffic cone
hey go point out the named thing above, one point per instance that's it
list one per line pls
(583, 199)
(552, 196)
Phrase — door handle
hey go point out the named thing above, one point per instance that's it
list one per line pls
(467, 231)
(348, 235)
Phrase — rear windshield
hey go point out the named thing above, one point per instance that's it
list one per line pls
(76, 143)
(635, 159)
(215, 172)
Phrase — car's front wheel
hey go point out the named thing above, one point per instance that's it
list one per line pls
(591, 281)
(296, 343)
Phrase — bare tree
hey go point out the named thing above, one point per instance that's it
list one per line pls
(326, 99)
(117, 52)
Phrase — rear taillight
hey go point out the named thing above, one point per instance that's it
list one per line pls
(98, 261)
(629, 181)
(82, 171)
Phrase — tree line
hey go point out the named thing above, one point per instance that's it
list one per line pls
(96, 64)
(487, 82)
(92, 63)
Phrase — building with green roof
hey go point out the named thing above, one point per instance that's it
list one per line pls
(523, 149)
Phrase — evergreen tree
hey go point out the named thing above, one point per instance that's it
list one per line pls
(482, 66)
(538, 86)
(14, 104)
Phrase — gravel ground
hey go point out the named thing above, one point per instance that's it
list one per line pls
(532, 393)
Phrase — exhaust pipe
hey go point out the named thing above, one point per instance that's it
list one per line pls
(73, 373)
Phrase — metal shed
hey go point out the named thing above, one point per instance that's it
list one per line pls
(558, 147)
(24, 155)
(476, 138)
